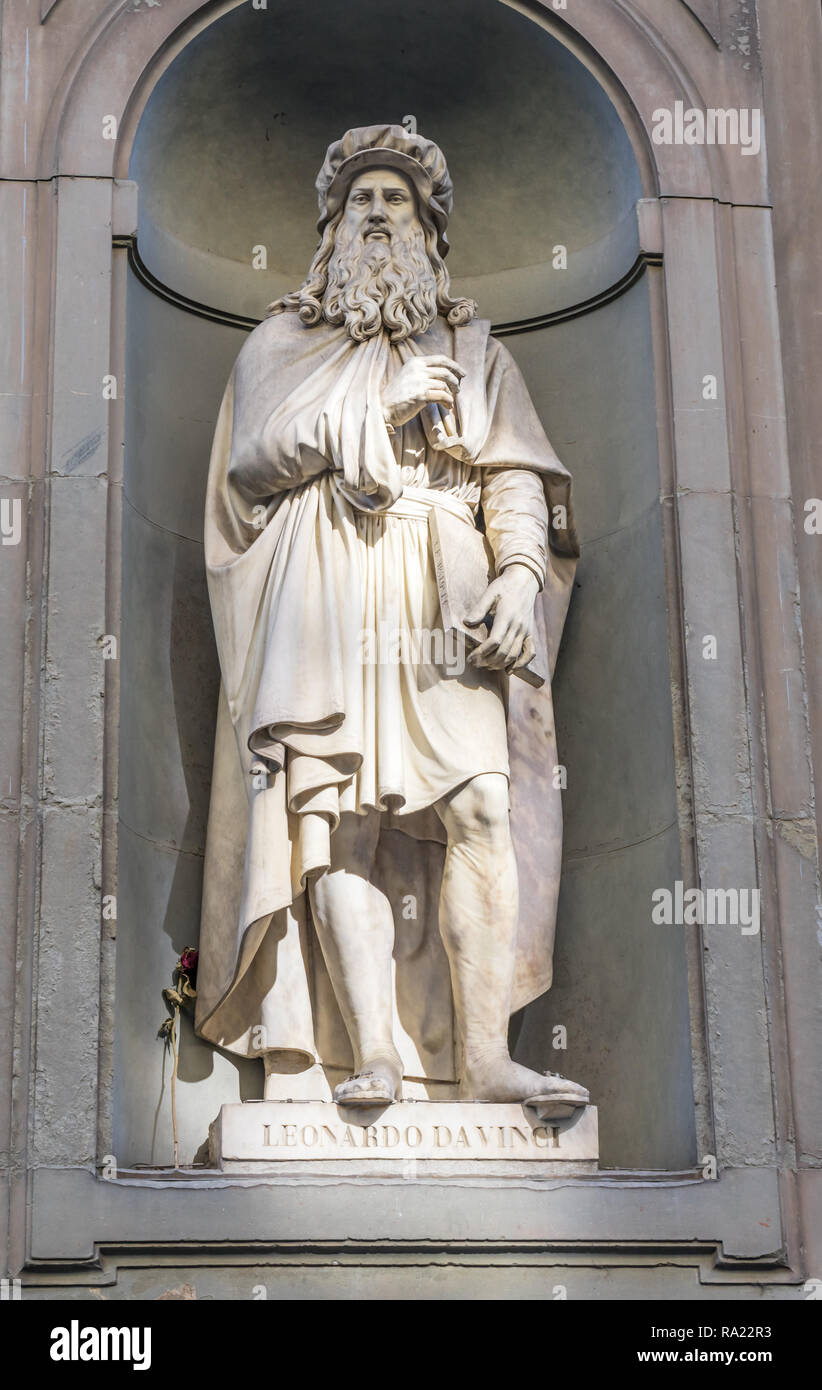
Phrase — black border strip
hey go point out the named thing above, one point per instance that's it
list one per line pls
(501, 330)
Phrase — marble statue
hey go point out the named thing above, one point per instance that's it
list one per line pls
(384, 839)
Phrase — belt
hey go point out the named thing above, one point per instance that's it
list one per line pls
(416, 502)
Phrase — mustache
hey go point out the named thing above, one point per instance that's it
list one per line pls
(359, 248)
(373, 227)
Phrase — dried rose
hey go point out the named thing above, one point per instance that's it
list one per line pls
(188, 962)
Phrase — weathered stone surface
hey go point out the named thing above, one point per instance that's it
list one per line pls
(70, 1206)
(76, 624)
(79, 445)
(64, 1128)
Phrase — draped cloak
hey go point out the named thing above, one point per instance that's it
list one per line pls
(301, 427)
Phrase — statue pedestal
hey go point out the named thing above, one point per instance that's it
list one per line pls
(410, 1139)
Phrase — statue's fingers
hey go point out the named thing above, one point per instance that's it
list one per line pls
(511, 649)
(445, 374)
(486, 607)
(498, 643)
(508, 649)
(438, 359)
(527, 654)
(515, 657)
(480, 655)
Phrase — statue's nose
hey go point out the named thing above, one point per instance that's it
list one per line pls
(377, 222)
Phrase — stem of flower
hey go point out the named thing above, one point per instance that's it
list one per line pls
(174, 1086)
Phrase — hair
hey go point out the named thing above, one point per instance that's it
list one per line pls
(312, 302)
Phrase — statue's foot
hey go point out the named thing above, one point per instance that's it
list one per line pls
(490, 1074)
(378, 1082)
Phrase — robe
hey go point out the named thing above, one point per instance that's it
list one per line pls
(311, 504)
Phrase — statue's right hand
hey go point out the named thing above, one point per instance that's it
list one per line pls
(420, 381)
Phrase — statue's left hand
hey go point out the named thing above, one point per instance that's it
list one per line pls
(509, 601)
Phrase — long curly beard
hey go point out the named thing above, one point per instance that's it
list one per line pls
(377, 284)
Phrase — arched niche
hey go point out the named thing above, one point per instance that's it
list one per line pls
(538, 154)
(224, 157)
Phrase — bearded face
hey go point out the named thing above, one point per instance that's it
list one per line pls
(378, 266)
(380, 281)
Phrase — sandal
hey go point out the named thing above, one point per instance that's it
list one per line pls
(377, 1091)
(559, 1104)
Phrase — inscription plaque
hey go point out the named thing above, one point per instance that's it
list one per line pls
(469, 1137)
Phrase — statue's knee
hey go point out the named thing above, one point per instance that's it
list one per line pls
(480, 810)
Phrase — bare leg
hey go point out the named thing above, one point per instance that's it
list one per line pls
(355, 926)
(478, 920)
